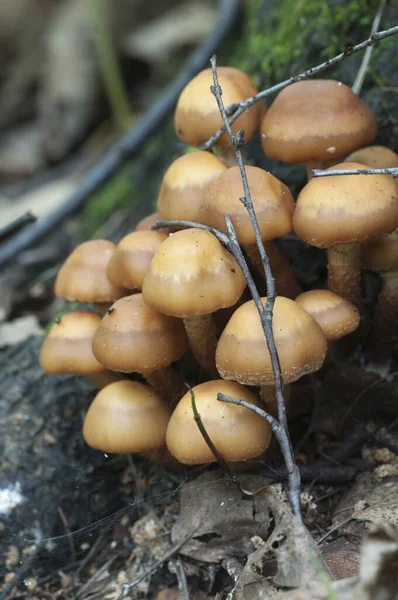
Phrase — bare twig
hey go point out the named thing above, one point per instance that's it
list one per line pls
(234, 111)
(265, 313)
(393, 171)
(360, 78)
(16, 225)
(177, 568)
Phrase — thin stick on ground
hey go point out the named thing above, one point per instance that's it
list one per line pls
(177, 568)
(235, 110)
(265, 313)
(393, 171)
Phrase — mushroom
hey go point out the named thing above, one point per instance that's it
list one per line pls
(83, 278)
(134, 338)
(242, 353)
(197, 116)
(126, 416)
(273, 205)
(381, 256)
(131, 259)
(183, 185)
(148, 222)
(314, 122)
(67, 348)
(192, 276)
(336, 316)
(340, 213)
(237, 433)
(375, 157)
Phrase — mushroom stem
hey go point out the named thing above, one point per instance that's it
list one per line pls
(202, 338)
(285, 282)
(267, 395)
(384, 322)
(227, 156)
(167, 382)
(344, 272)
(101, 380)
(102, 307)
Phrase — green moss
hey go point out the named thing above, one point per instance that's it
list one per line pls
(290, 29)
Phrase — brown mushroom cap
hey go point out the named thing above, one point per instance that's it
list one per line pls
(375, 157)
(82, 277)
(67, 348)
(336, 316)
(242, 354)
(131, 259)
(237, 433)
(381, 254)
(183, 185)
(134, 338)
(271, 198)
(126, 416)
(346, 209)
(148, 222)
(316, 120)
(192, 274)
(197, 116)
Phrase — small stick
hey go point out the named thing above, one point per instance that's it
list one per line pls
(177, 568)
(393, 171)
(235, 110)
(16, 225)
(264, 313)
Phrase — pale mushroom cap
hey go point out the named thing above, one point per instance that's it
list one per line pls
(197, 116)
(336, 316)
(272, 201)
(134, 338)
(131, 259)
(67, 348)
(346, 209)
(381, 254)
(316, 120)
(183, 185)
(126, 416)
(242, 354)
(148, 222)
(192, 274)
(237, 433)
(375, 157)
(82, 277)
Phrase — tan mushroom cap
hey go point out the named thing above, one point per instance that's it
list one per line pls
(375, 157)
(381, 254)
(242, 354)
(134, 338)
(192, 274)
(67, 348)
(148, 222)
(131, 259)
(82, 277)
(346, 209)
(272, 201)
(183, 185)
(316, 120)
(197, 116)
(237, 433)
(126, 416)
(336, 316)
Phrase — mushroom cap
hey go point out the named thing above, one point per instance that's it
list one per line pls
(192, 274)
(336, 316)
(148, 222)
(237, 433)
(126, 416)
(67, 348)
(134, 338)
(82, 277)
(375, 157)
(242, 353)
(131, 259)
(381, 254)
(197, 116)
(316, 120)
(183, 185)
(346, 209)
(272, 201)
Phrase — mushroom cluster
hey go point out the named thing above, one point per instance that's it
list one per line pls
(158, 294)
